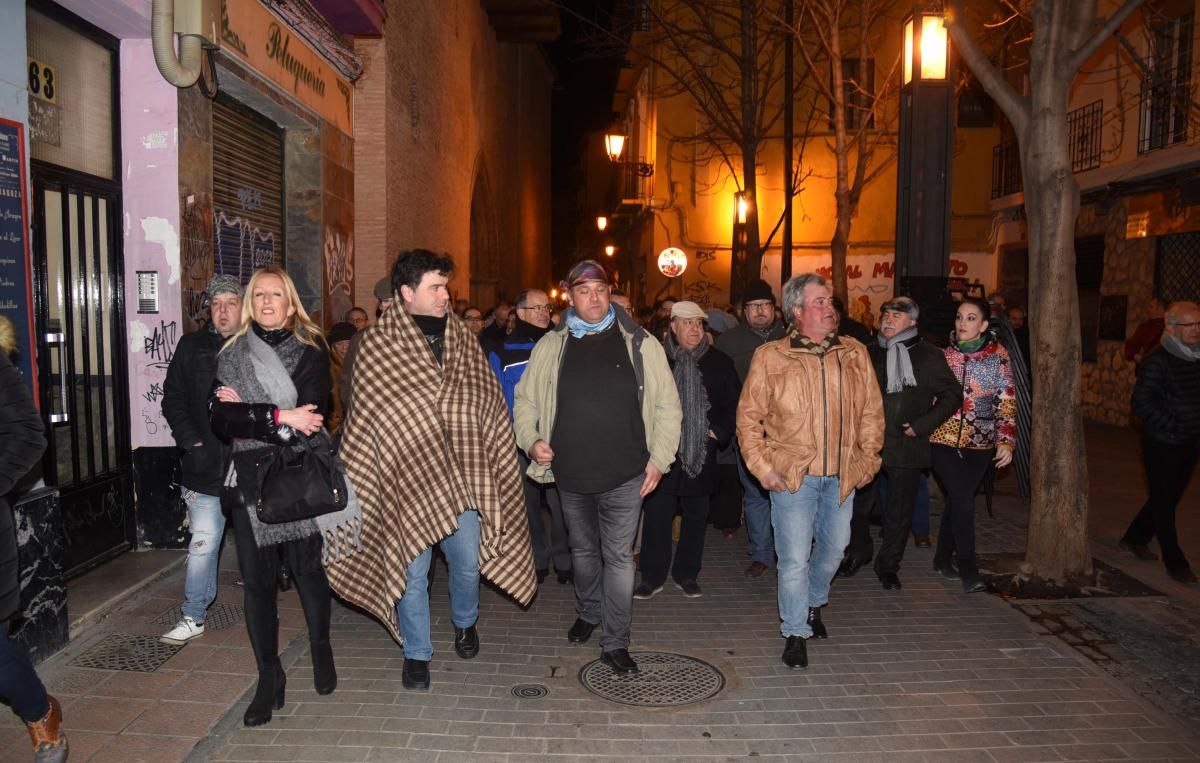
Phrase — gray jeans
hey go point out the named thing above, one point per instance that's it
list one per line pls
(602, 527)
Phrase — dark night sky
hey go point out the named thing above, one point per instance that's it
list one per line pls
(582, 103)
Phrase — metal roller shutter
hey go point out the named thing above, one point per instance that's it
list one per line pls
(247, 190)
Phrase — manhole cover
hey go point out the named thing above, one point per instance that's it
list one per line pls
(124, 651)
(664, 680)
(529, 691)
(218, 618)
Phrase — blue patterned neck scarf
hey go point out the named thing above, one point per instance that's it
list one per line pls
(579, 327)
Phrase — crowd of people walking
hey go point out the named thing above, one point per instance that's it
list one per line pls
(591, 443)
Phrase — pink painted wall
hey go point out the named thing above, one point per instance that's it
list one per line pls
(150, 192)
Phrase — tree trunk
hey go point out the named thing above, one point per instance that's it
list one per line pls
(748, 266)
(1058, 516)
(839, 245)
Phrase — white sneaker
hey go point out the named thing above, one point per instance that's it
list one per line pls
(186, 630)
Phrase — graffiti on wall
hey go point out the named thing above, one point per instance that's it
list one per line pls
(195, 260)
(240, 247)
(699, 285)
(339, 272)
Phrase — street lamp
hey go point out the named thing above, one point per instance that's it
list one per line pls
(614, 146)
(925, 141)
(601, 222)
(610, 250)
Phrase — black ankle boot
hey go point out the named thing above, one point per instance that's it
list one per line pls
(324, 672)
(268, 696)
(814, 621)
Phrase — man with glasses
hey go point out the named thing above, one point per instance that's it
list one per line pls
(1167, 398)
(473, 317)
(739, 343)
(509, 359)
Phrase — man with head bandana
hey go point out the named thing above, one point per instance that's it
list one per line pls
(598, 412)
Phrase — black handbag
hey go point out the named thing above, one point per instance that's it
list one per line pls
(295, 484)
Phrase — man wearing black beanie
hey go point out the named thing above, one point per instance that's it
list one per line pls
(759, 326)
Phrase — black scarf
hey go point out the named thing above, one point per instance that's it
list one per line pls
(434, 329)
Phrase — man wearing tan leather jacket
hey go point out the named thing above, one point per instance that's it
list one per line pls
(810, 422)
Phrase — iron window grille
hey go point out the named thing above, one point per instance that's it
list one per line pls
(634, 183)
(1165, 99)
(1083, 126)
(1177, 268)
(1006, 169)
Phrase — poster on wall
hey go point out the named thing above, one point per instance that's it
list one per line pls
(16, 300)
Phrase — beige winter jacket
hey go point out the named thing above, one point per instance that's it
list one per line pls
(536, 397)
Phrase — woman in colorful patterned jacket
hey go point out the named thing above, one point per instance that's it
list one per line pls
(983, 431)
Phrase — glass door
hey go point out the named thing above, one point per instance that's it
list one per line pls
(81, 363)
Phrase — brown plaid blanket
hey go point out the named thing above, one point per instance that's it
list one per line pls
(422, 445)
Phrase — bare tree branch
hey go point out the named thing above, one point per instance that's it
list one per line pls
(1085, 51)
(1014, 106)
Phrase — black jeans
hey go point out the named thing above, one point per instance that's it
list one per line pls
(897, 516)
(959, 471)
(260, 567)
(861, 546)
(20, 687)
(656, 537)
(1168, 470)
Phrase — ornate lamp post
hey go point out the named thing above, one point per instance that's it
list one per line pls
(926, 130)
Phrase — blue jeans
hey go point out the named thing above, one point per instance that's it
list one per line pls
(602, 527)
(757, 506)
(805, 569)
(461, 548)
(207, 525)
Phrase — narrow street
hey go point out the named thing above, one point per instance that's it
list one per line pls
(924, 674)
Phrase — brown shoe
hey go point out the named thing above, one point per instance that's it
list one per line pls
(1140, 550)
(49, 741)
(755, 570)
(921, 540)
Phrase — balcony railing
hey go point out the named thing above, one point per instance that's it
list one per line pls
(1165, 101)
(1006, 169)
(635, 186)
(1083, 126)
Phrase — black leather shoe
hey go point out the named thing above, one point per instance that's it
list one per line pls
(581, 631)
(620, 661)
(541, 576)
(814, 622)
(973, 584)
(466, 642)
(564, 577)
(795, 654)
(890, 580)
(416, 674)
(850, 566)
(268, 696)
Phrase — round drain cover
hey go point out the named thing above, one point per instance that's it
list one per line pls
(663, 680)
(529, 691)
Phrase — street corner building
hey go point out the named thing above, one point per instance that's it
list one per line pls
(422, 446)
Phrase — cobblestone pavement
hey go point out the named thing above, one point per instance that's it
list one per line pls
(924, 674)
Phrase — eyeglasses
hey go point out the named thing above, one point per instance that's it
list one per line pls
(473, 318)
(760, 306)
(536, 308)
(1191, 325)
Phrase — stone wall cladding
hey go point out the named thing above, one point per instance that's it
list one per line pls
(1108, 382)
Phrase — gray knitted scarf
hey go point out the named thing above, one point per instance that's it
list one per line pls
(693, 440)
(262, 374)
(899, 364)
(1175, 346)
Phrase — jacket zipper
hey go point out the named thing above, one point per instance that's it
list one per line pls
(824, 416)
(962, 413)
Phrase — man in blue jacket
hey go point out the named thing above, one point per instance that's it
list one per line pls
(509, 357)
